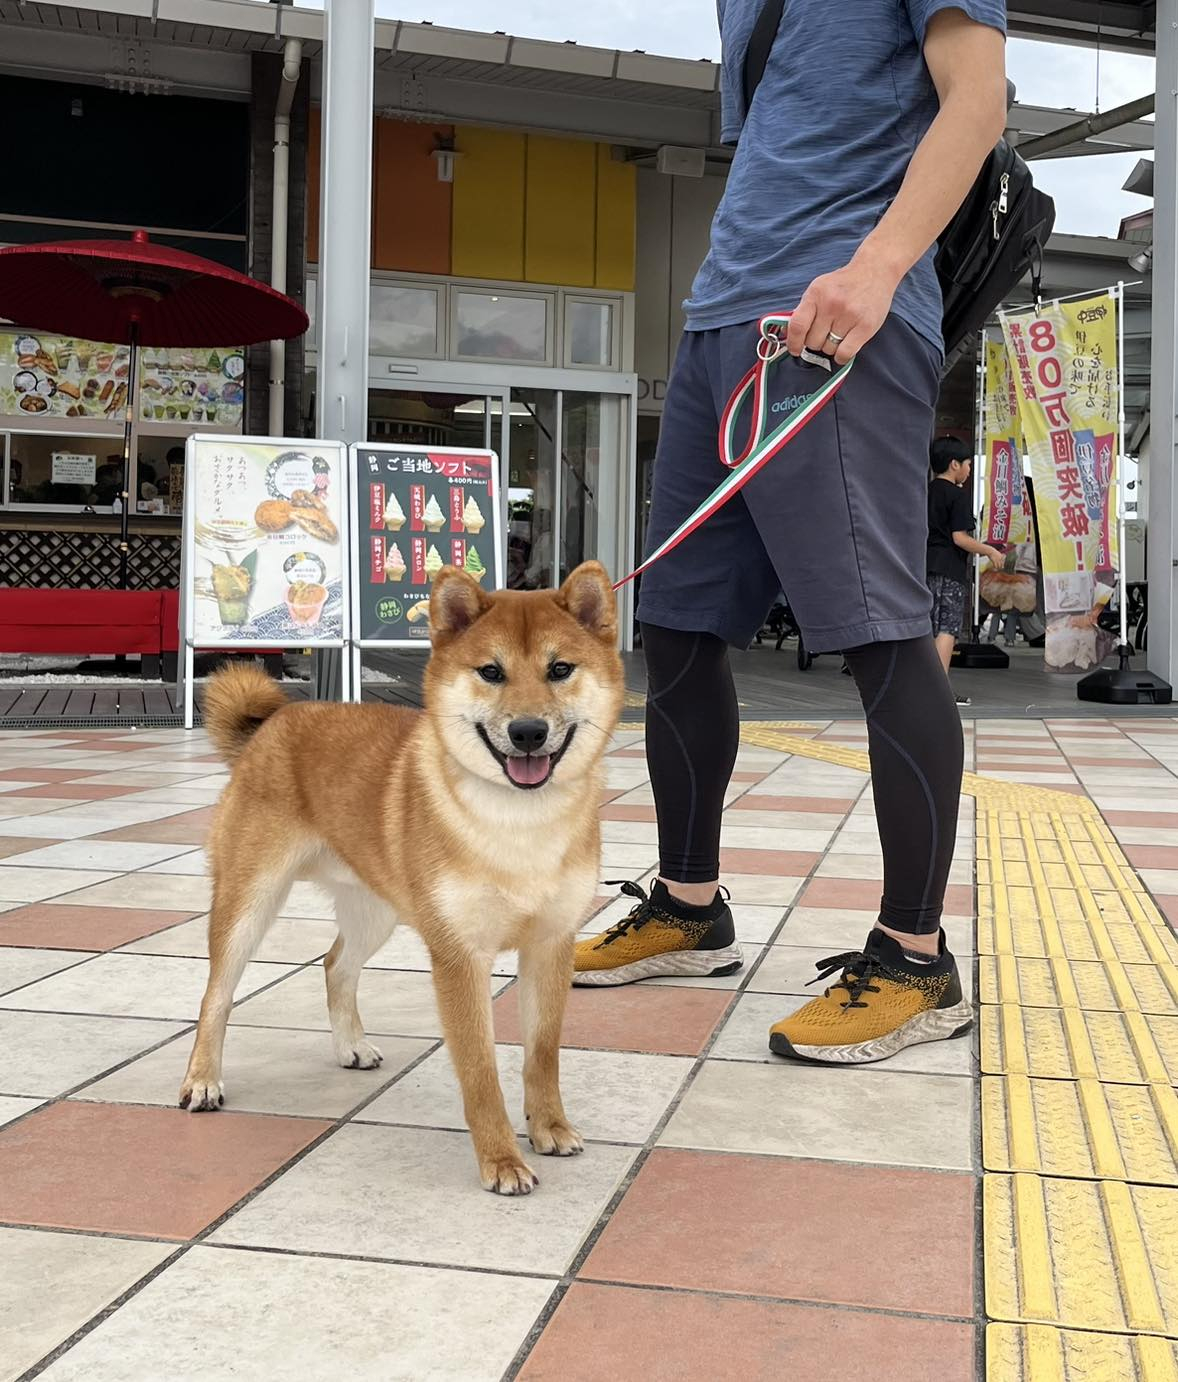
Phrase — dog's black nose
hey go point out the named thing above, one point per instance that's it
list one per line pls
(528, 736)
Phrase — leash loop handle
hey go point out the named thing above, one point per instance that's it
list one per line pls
(762, 445)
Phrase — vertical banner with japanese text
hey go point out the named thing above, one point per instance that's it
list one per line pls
(1067, 378)
(1008, 524)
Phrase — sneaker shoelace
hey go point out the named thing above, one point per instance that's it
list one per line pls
(637, 917)
(640, 914)
(858, 968)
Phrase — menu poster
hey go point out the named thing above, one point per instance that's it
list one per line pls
(191, 386)
(418, 509)
(48, 376)
(57, 377)
(264, 521)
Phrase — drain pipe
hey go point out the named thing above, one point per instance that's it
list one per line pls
(292, 58)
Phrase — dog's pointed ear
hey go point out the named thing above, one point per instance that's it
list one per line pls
(589, 597)
(455, 602)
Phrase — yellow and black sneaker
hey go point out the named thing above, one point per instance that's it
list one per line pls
(661, 937)
(883, 1002)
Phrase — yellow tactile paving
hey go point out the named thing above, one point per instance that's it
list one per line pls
(1070, 1044)
(1080, 1128)
(1083, 1254)
(1035, 1353)
(1078, 979)
(1018, 929)
(1064, 983)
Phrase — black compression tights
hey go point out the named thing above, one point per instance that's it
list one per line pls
(914, 736)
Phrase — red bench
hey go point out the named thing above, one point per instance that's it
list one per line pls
(146, 622)
(83, 621)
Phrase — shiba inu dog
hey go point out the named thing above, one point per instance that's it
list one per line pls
(474, 821)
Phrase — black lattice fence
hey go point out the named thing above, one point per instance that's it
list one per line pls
(66, 560)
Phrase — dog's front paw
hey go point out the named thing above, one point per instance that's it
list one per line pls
(202, 1096)
(508, 1176)
(555, 1138)
(358, 1055)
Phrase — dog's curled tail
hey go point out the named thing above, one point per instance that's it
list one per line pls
(237, 702)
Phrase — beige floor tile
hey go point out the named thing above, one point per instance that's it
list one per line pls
(294, 1317)
(20, 966)
(52, 1283)
(120, 985)
(46, 1054)
(400, 1002)
(414, 1194)
(266, 1071)
(155, 890)
(610, 1096)
(864, 1115)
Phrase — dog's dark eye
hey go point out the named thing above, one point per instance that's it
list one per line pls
(561, 671)
(491, 672)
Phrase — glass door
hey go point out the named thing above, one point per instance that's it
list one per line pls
(567, 460)
(532, 483)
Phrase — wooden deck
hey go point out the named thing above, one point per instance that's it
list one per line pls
(768, 684)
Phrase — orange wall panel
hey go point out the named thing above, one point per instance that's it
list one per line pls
(411, 209)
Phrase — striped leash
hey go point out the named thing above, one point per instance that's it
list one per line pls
(762, 444)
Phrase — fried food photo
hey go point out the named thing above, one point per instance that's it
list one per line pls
(316, 523)
(304, 499)
(273, 515)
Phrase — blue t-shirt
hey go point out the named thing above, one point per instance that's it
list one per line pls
(845, 99)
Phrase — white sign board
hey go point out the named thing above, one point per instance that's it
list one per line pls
(264, 551)
(71, 469)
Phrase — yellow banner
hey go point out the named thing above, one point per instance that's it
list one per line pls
(1064, 359)
(1008, 504)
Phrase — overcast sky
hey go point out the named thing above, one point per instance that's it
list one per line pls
(1087, 191)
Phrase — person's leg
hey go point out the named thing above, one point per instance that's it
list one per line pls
(844, 516)
(946, 642)
(692, 734)
(915, 745)
(684, 927)
(903, 987)
(710, 592)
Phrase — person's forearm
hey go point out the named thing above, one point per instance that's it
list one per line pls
(971, 545)
(942, 171)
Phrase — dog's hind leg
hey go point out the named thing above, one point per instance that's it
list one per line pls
(365, 923)
(245, 903)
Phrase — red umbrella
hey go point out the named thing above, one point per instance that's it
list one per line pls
(136, 293)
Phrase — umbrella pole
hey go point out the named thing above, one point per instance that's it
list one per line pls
(128, 417)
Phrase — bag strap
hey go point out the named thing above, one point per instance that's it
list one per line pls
(756, 55)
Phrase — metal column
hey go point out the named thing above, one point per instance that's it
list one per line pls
(345, 239)
(1162, 534)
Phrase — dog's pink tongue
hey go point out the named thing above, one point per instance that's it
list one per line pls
(528, 771)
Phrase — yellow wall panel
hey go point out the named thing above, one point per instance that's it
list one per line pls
(617, 219)
(488, 206)
(561, 226)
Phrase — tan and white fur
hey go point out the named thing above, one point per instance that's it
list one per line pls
(473, 821)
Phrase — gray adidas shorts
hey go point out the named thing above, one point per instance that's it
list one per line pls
(838, 520)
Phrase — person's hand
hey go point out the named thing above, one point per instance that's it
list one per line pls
(841, 311)
(997, 557)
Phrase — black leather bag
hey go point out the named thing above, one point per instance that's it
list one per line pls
(997, 235)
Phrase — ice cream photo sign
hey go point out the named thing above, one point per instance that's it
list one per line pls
(265, 538)
(417, 509)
